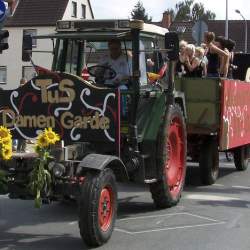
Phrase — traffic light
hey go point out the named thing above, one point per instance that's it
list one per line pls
(4, 34)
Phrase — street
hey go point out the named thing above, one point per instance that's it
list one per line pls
(207, 217)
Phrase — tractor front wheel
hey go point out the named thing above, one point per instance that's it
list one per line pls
(98, 207)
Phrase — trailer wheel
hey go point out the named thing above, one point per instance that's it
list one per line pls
(171, 159)
(98, 207)
(209, 161)
(242, 157)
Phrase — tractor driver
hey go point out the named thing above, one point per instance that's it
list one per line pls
(121, 63)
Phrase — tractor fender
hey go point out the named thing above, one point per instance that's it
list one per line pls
(98, 162)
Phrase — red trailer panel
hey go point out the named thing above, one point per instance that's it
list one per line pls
(235, 114)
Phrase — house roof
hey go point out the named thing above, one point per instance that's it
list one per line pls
(236, 31)
(37, 13)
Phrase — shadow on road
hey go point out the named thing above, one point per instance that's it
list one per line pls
(126, 208)
(18, 219)
(21, 241)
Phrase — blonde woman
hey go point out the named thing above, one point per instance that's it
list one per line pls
(200, 54)
(192, 62)
(180, 65)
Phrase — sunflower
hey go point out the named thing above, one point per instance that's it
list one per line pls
(4, 132)
(51, 136)
(6, 140)
(6, 152)
(42, 141)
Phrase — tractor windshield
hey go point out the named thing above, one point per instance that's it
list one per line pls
(75, 55)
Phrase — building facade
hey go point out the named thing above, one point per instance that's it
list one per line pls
(35, 17)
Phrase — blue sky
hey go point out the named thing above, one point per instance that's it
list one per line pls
(155, 8)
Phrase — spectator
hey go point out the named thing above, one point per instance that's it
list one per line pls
(213, 55)
(192, 62)
(230, 45)
(220, 42)
(200, 54)
(181, 69)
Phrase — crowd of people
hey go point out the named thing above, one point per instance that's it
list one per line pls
(214, 58)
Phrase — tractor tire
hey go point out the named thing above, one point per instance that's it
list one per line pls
(242, 157)
(98, 207)
(171, 159)
(209, 161)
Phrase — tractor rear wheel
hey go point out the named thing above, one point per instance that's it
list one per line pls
(171, 159)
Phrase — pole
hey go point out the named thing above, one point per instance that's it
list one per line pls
(245, 36)
(245, 20)
(226, 24)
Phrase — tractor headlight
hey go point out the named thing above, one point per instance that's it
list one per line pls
(58, 169)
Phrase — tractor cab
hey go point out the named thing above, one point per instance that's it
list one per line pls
(80, 48)
(141, 74)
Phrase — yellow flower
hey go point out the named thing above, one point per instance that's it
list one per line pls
(42, 141)
(6, 140)
(51, 136)
(6, 152)
(4, 132)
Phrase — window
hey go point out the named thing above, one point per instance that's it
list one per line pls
(83, 11)
(3, 74)
(71, 57)
(28, 72)
(32, 32)
(74, 9)
(67, 56)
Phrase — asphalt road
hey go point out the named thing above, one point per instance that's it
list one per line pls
(213, 217)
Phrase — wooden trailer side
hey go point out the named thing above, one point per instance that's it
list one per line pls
(235, 114)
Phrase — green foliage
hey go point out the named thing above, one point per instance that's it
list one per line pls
(188, 10)
(40, 177)
(139, 13)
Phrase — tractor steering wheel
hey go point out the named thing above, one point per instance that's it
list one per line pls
(102, 73)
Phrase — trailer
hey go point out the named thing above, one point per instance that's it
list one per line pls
(217, 121)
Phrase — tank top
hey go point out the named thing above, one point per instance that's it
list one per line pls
(213, 63)
(181, 68)
(197, 72)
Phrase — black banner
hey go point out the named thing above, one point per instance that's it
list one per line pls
(72, 107)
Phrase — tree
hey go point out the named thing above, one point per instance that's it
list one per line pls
(188, 10)
(139, 13)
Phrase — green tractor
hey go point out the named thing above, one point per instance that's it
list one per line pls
(130, 131)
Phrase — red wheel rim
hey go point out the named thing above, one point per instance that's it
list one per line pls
(105, 209)
(175, 162)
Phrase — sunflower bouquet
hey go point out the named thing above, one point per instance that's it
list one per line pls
(40, 178)
(5, 152)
